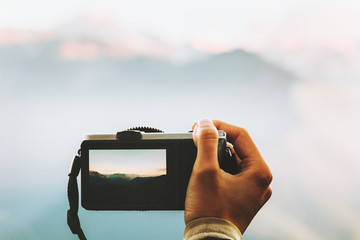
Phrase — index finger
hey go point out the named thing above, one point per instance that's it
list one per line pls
(244, 146)
(252, 161)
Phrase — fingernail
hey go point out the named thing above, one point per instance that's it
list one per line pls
(195, 128)
(205, 122)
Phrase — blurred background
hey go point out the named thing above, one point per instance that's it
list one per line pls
(288, 71)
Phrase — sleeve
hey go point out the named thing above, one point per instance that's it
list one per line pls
(211, 229)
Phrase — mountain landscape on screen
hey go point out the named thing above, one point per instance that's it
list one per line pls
(125, 190)
(97, 178)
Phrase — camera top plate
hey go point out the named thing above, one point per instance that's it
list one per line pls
(150, 136)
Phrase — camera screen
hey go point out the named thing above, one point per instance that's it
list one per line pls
(128, 163)
(128, 176)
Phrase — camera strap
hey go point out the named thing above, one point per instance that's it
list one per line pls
(73, 196)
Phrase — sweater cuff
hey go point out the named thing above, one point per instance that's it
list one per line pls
(211, 227)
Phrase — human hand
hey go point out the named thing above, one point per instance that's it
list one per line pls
(214, 193)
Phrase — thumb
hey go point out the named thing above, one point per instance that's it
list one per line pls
(206, 136)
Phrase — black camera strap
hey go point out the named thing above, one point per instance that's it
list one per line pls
(73, 196)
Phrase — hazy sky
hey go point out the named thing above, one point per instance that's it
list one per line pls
(235, 23)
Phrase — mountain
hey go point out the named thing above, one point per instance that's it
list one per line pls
(118, 178)
(117, 175)
(235, 66)
(42, 65)
(96, 53)
(120, 190)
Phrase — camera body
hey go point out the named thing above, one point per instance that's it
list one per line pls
(136, 170)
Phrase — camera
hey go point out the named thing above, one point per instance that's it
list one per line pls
(141, 170)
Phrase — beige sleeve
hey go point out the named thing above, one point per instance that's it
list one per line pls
(211, 227)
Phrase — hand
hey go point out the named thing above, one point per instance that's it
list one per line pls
(214, 193)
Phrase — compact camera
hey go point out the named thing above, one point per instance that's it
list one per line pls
(138, 170)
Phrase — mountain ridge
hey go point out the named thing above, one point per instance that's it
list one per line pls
(43, 62)
(119, 178)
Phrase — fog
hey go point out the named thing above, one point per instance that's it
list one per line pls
(306, 129)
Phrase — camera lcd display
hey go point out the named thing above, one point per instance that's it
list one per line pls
(128, 176)
(128, 163)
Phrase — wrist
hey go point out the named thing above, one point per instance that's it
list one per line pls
(211, 227)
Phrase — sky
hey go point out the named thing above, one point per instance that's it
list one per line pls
(228, 24)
